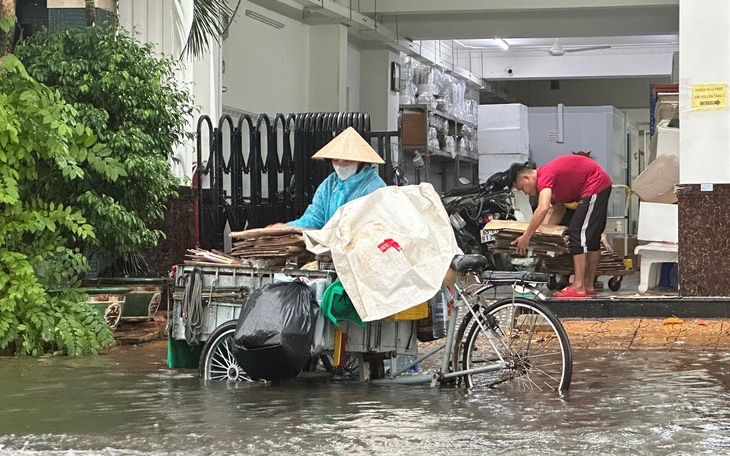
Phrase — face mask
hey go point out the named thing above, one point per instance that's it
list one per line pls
(346, 172)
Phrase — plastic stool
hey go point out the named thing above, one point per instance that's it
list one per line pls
(652, 255)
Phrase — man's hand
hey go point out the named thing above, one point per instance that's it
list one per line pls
(277, 225)
(522, 244)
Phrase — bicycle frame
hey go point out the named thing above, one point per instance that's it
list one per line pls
(461, 299)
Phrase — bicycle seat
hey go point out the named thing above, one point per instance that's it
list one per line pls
(468, 262)
(510, 277)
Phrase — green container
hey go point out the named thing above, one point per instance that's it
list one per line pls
(145, 296)
(180, 355)
(108, 302)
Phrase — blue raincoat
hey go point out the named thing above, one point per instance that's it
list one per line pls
(333, 193)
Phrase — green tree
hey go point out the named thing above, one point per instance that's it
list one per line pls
(42, 308)
(7, 26)
(132, 102)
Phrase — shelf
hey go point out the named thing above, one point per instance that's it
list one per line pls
(439, 154)
(428, 109)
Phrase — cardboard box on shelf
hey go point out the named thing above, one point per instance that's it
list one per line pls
(658, 222)
(414, 129)
(656, 183)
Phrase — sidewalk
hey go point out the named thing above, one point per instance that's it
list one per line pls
(628, 303)
(669, 334)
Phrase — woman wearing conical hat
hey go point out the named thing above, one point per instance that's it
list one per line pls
(351, 157)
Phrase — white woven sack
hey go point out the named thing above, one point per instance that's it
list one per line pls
(391, 249)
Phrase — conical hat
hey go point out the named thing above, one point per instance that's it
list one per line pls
(349, 145)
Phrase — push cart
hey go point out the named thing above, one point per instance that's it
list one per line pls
(512, 342)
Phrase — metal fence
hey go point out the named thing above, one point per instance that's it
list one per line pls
(253, 172)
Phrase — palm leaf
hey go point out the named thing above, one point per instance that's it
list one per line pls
(209, 22)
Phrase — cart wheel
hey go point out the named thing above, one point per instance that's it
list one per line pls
(113, 314)
(217, 361)
(563, 282)
(376, 365)
(614, 283)
(552, 282)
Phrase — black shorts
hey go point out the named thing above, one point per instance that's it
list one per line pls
(588, 223)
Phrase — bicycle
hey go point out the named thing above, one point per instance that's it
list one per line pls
(513, 342)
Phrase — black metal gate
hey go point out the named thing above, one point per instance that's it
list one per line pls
(259, 172)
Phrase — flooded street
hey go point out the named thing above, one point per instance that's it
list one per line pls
(128, 402)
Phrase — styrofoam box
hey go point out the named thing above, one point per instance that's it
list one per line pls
(667, 141)
(658, 222)
(512, 115)
(490, 164)
(503, 141)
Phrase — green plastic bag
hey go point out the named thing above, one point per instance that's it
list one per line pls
(338, 306)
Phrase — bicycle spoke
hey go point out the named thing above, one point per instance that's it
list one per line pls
(531, 342)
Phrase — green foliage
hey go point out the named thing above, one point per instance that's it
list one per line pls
(7, 24)
(41, 135)
(137, 113)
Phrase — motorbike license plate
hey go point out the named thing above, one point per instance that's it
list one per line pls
(487, 235)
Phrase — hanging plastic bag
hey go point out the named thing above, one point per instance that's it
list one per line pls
(274, 331)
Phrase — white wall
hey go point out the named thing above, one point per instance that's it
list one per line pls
(704, 49)
(376, 97)
(328, 68)
(353, 79)
(166, 25)
(266, 69)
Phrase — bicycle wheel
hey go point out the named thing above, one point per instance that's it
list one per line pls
(529, 338)
(217, 361)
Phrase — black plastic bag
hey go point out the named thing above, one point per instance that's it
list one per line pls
(274, 331)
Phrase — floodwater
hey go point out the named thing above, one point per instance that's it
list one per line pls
(129, 403)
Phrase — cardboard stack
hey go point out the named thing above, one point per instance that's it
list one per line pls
(608, 264)
(208, 257)
(548, 240)
(271, 247)
(550, 244)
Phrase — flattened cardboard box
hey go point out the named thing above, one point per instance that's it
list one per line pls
(656, 183)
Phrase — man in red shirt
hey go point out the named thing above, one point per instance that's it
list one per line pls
(568, 179)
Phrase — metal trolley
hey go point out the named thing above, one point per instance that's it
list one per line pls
(489, 341)
(225, 289)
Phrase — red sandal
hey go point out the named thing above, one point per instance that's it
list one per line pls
(569, 293)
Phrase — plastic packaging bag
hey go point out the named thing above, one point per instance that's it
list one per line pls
(274, 331)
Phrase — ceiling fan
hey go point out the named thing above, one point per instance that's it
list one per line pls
(558, 49)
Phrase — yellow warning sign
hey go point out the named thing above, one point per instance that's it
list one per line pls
(707, 97)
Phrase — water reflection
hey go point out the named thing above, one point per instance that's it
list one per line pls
(638, 402)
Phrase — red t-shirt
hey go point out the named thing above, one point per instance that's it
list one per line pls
(572, 177)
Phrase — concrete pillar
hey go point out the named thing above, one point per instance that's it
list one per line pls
(376, 97)
(704, 50)
(704, 148)
(327, 68)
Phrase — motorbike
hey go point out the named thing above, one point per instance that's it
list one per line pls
(471, 207)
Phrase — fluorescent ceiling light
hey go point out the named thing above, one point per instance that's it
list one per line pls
(264, 19)
(502, 43)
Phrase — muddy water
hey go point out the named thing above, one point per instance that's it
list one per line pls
(129, 403)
